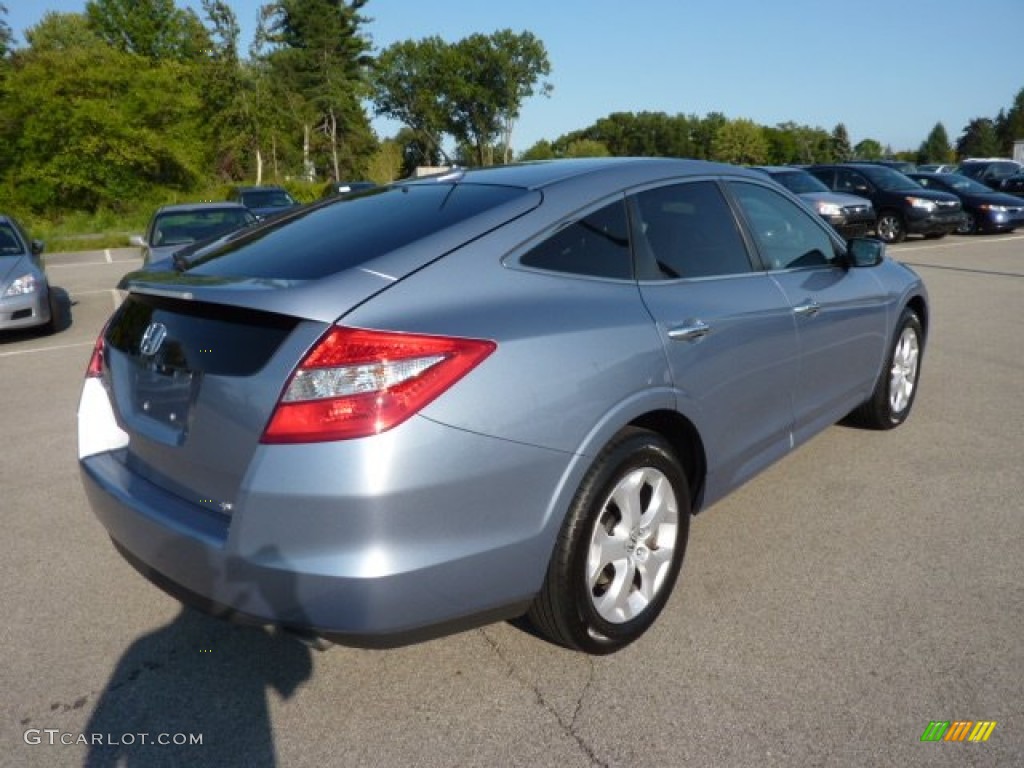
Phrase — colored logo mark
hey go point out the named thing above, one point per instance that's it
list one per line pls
(958, 730)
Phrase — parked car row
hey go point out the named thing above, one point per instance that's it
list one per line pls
(894, 204)
(902, 206)
(984, 209)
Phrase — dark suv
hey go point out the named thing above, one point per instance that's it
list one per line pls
(993, 172)
(902, 205)
(1014, 185)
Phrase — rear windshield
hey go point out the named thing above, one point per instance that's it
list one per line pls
(350, 231)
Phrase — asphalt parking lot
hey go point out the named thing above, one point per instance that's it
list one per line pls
(827, 612)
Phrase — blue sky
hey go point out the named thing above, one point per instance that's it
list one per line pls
(887, 69)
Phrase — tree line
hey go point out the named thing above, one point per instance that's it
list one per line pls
(132, 103)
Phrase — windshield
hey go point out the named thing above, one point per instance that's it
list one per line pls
(799, 182)
(267, 198)
(890, 180)
(180, 228)
(9, 242)
(963, 184)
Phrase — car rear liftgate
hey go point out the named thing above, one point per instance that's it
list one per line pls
(183, 385)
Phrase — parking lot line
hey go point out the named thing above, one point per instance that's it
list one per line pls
(89, 264)
(54, 348)
(955, 244)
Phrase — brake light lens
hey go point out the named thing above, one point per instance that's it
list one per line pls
(95, 368)
(356, 383)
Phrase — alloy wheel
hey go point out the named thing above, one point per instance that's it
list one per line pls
(903, 375)
(632, 545)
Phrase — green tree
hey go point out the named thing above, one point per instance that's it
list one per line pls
(840, 145)
(586, 148)
(6, 36)
(491, 76)
(229, 118)
(522, 61)
(472, 90)
(644, 134)
(812, 145)
(542, 150)
(318, 60)
(1010, 125)
(868, 149)
(703, 134)
(153, 29)
(61, 32)
(740, 142)
(936, 148)
(386, 163)
(94, 127)
(979, 139)
(407, 79)
(782, 148)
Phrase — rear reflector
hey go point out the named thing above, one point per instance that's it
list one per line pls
(356, 383)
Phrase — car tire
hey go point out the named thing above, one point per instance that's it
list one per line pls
(896, 388)
(60, 312)
(890, 227)
(54, 324)
(620, 548)
(969, 225)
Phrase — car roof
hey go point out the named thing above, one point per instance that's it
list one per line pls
(544, 173)
(254, 187)
(779, 168)
(205, 206)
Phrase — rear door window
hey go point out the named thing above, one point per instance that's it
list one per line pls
(596, 246)
(688, 230)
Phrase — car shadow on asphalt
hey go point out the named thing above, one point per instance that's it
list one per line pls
(196, 677)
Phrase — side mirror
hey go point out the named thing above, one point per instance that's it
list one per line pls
(864, 252)
(137, 240)
(36, 246)
(861, 189)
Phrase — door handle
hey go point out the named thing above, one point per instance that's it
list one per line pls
(693, 330)
(808, 309)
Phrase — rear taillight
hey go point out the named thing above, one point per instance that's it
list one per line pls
(356, 383)
(95, 367)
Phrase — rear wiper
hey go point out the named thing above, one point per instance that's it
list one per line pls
(180, 262)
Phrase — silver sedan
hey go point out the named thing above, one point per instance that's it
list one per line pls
(26, 300)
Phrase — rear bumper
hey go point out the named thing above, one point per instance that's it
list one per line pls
(337, 556)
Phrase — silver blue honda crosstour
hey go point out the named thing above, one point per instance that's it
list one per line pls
(485, 394)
